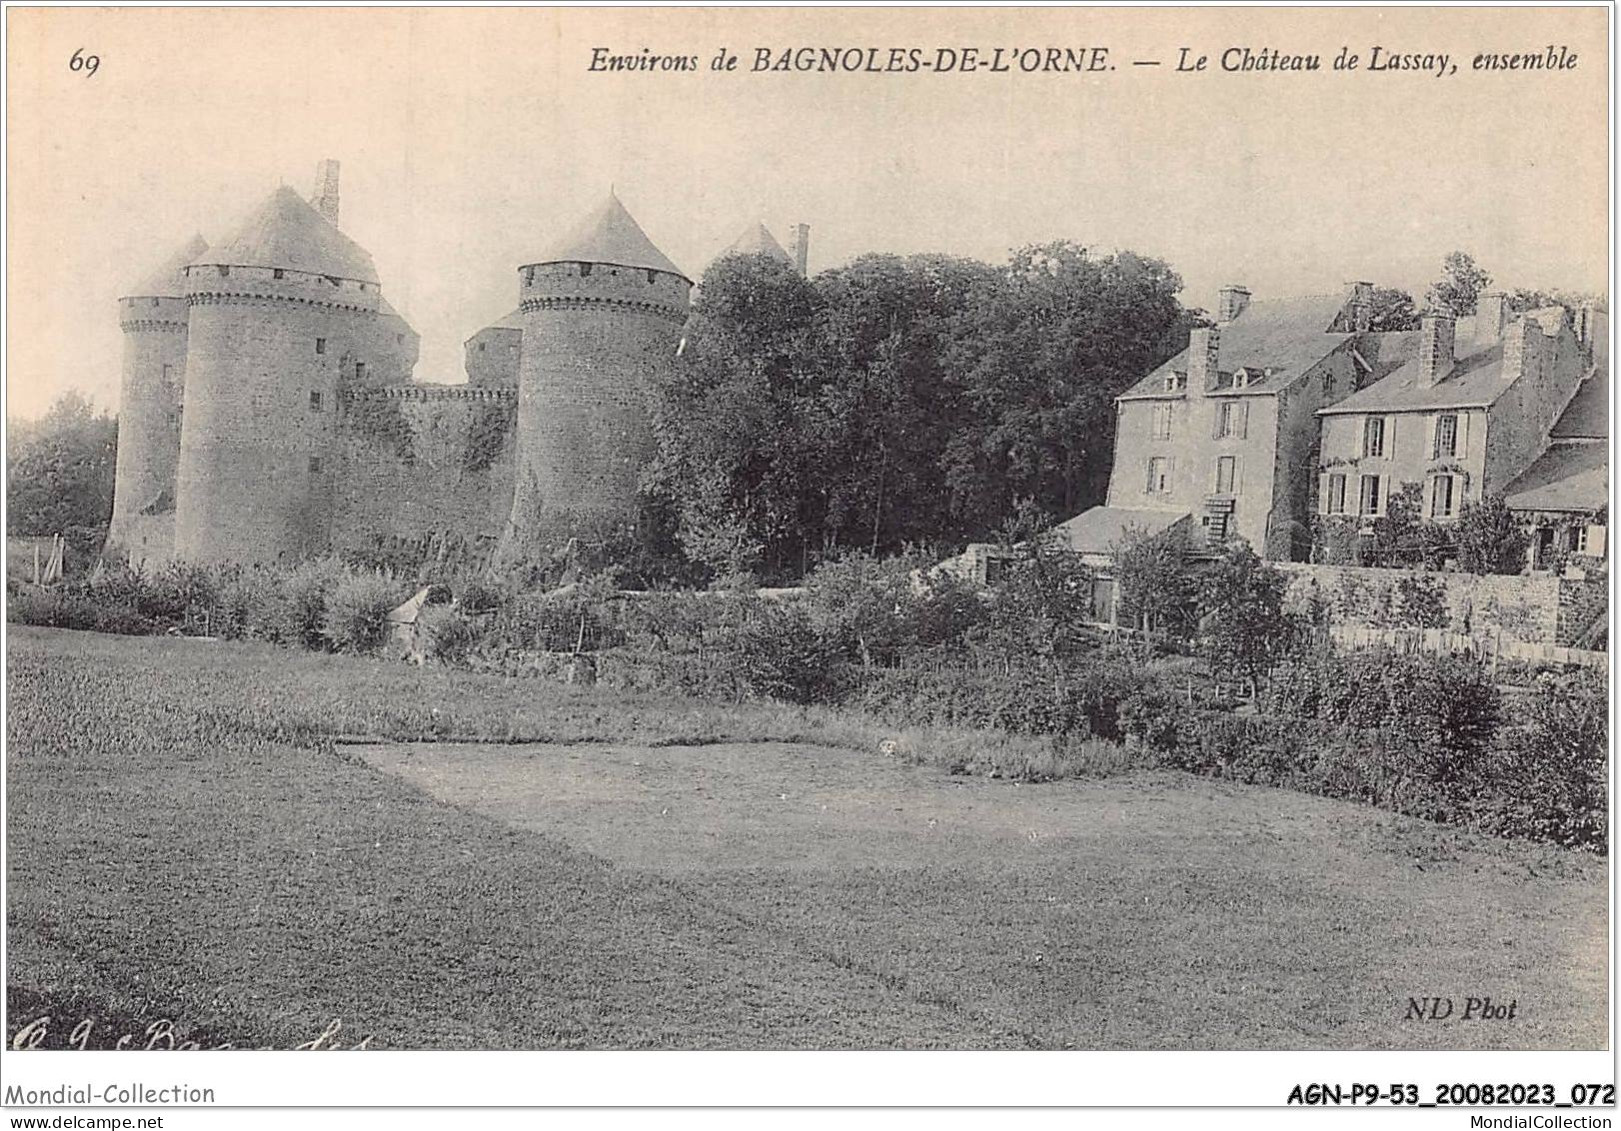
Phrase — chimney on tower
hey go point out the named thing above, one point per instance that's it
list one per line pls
(326, 190)
(1232, 300)
(801, 247)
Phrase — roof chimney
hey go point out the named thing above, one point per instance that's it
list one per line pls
(801, 247)
(1491, 312)
(326, 190)
(1204, 355)
(1361, 306)
(1435, 351)
(1233, 299)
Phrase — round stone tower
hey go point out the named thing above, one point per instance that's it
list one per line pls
(153, 317)
(282, 314)
(601, 311)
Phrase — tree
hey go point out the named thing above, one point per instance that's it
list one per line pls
(1243, 627)
(898, 402)
(1490, 539)
(1156, 591)
(1458, 289)
(1040, 356)
(1398, 537)
(60, 474)
(1390, 309)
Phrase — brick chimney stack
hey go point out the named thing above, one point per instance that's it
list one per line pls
(1232, 299)
(326, 190)
(1204, 352)
(1435, 351)
(1491, 314)
(801, 247)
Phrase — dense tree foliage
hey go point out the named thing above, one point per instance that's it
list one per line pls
(60, 473)
(899, 401)
(1458, 289)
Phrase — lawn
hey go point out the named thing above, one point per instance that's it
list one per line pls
(187, 840)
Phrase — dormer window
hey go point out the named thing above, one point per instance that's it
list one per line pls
(1241, 379)
(1175, 382)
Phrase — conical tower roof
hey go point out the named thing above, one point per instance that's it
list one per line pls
(285, 231)
(610, 235)
(168, 281)
(758, 240)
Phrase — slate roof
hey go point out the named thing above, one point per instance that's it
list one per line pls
(1099, 530)
(286, 231)
(1476, 379)
(1588, 414)
(610, 235)
(167, 281)
(1566, 477)
(1287, 335)
(758, 240)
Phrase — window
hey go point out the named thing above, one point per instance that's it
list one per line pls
(224, 270)
(1578, 539)
(585, 270)
(1174, 382)
(1162, 422)
(1442, 496)
(315, 400)
(1446, 436)
(315, 465)
(360, 371)
(1226, 475)
(1224, 419)
(528, 276)
(168, 372)
(277, 273)
(320, 345)
(1373, 438)
(1159, 475)
(1371, 499)
(1335, 503)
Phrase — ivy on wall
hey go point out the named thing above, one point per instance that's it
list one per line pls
(487, 433)
(382, 421)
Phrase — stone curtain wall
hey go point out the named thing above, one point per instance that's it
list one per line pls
(1530, 609)
(419, 463)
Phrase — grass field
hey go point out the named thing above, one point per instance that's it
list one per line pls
(187, 840)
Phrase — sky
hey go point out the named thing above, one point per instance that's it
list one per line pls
(470, 139)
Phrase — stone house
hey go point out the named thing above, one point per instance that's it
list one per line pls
(1563, 498)
(1463, 418)
(1226, 433)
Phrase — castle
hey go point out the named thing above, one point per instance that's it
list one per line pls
(269, 412)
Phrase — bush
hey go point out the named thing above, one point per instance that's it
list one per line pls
(300, 616)
(1550, 775)
(355, 616)
(447, 635)
(779, 654)
(1443, 709)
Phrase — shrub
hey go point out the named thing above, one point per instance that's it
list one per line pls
(779, 655)
(447, 635)
(355, 617)
(1550, 775)
(300, 613)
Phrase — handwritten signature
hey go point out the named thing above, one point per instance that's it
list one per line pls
(162, 1035)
